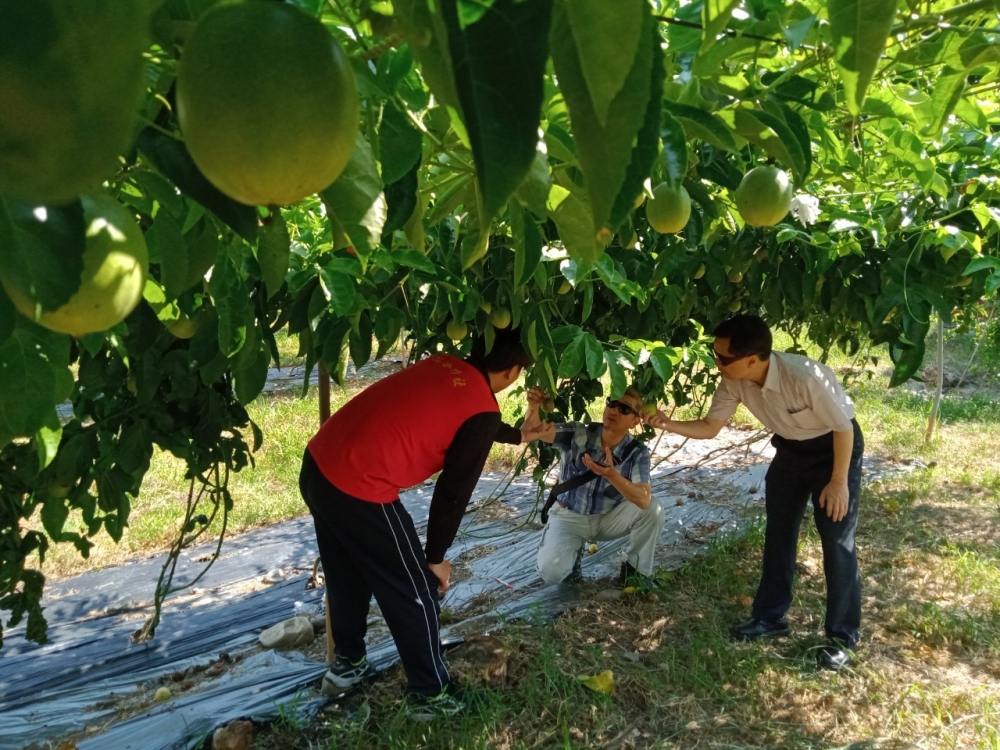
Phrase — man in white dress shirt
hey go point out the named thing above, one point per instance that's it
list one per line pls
(818, 454)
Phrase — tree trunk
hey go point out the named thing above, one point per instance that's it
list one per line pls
(932, 421)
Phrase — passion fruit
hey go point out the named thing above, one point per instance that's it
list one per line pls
(115, 259)
(267, 102)
(764, 196)
(71, 82)
(669, 209)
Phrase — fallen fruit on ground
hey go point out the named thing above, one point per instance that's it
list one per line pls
(267, 102)
(162, 694)
(71, 82)
(592, 548)
(456, 330)
(114, 272)
(764, 196)
(669, 209)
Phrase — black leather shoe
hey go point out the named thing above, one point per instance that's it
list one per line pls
(755, 629)
(834, 656)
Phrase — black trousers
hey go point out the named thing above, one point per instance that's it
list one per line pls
(800, 470)
(373, 549)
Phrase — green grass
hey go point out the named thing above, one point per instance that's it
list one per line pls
(928, 674)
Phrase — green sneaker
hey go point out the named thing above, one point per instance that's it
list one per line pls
(345, 674)
(449, 702)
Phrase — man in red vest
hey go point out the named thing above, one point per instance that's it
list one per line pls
(439, 415)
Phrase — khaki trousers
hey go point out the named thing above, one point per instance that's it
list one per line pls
(566, 531)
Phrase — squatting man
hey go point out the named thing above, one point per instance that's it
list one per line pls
(617, 499)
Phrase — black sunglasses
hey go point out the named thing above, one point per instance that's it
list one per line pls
(624, 409)
(723, 360)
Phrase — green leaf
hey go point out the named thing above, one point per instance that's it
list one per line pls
(171, 158)
(476, 235)
(528, 244)
(423, 24)
(231, 298)
(703, 126)
(249, 380)
(594, 353)
(573, 357)
(42, 250)
(575, 225)
(949, 86)
(859, 30)
(55, 511)
(360, 341)
(624, 289)
(799, 128)
(273, 252)
(181, 264)
(675, 151)
(413, 259)
(774, 136)
(354, 203)
(401, 203)
(499, 65)
(646, 146)
(47, 441)
(662, 366)
(982, 264)
(715, 15)
(8, 316)
(399, 144)
(34, 377)
(618, 381)
(607, 36)
(340, 290)
(604, 151)
(534, 189)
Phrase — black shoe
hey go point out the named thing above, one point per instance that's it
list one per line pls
(577, 573)
(345, 674)
(754, 629)
(630, 576)
(834, 656)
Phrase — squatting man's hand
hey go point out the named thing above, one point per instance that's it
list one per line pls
(443, 572)
(602, 470)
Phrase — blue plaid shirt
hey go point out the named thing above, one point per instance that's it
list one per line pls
(573, 439)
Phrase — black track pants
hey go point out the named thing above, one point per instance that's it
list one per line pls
(800, 470)
(373, 549)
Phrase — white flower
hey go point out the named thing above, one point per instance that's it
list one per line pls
(805, 208)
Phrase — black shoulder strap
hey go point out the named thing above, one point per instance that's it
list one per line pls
(580, 480)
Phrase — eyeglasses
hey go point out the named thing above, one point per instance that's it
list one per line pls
(624, 409)
(726, 361)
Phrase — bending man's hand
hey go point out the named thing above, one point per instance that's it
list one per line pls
(535, 397)
(835, 498)
(659, 420)
(535, 431)
(443, 572)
